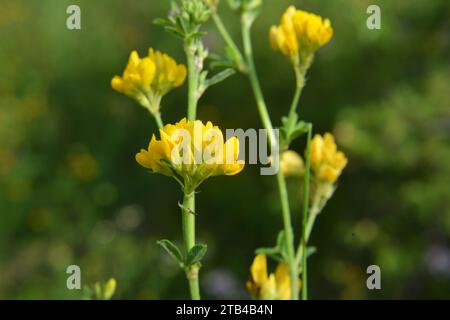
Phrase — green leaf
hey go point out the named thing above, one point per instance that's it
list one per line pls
(272, 253)
(281, 244)
(161, 22)
(219, 77)
(310, 251)
(109, 288)
(198, 34)
(172, 250)
(196, 254)
(293, 129)
(279, 252)
(174, 31)
(267, 251)
(281, 239)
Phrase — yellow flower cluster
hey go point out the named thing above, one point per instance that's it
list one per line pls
(192, 150)
(264, 286)
(148, 79)
(327, 162)
(300, 31)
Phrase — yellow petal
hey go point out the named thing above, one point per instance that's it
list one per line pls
(291, 164)
(283, 282)
(258, 269)
(269, 289)
(147, 71)
(117, 84)
(143, 158)
(273, 38)
(316, 150)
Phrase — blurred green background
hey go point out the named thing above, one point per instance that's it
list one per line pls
(72, 193)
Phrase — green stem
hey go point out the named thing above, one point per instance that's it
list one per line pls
(300, 81)
(305, 214)
(229, 41)
(262, 108)
(158, 120)
(193, 75)
(309, 226)
(189, 195)
(188, 217)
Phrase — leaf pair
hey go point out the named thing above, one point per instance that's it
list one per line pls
(195, 255)
(292, 129)
(279, 251)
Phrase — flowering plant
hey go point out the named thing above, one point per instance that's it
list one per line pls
(191, 151)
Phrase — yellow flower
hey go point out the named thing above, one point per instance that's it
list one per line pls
(149, 78)
(283, 37)
(327, 162)
(264, 286)
(300, 31)
(192, 150)
(291, 164)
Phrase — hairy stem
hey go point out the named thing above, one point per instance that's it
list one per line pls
(305, 215)
(262, 108)
(193, 75)
(188, 218)
(189, 196)
(229, 41)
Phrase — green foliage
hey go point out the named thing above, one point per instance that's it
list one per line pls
(196, 254)
(172, 250)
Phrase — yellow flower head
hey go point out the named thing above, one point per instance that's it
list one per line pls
(291, 164)
(193, 151)
(283, 37)
(149, 78)
(327, 162)
(300, 31)
(264, 286)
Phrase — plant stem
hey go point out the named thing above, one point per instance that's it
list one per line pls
(309, 225)
(193, 74)
(260, 102)
(229, 41)
(262, 108)
(188, 218)
(300, 81)
(158, 120)
(188, 211)
(305, 214)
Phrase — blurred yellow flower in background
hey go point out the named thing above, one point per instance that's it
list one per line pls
(264, 286)
(291, 164)
(327, 162)
(192, 150)
(83, 165)
(300, 32)
(101, 290)
(149, 78)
